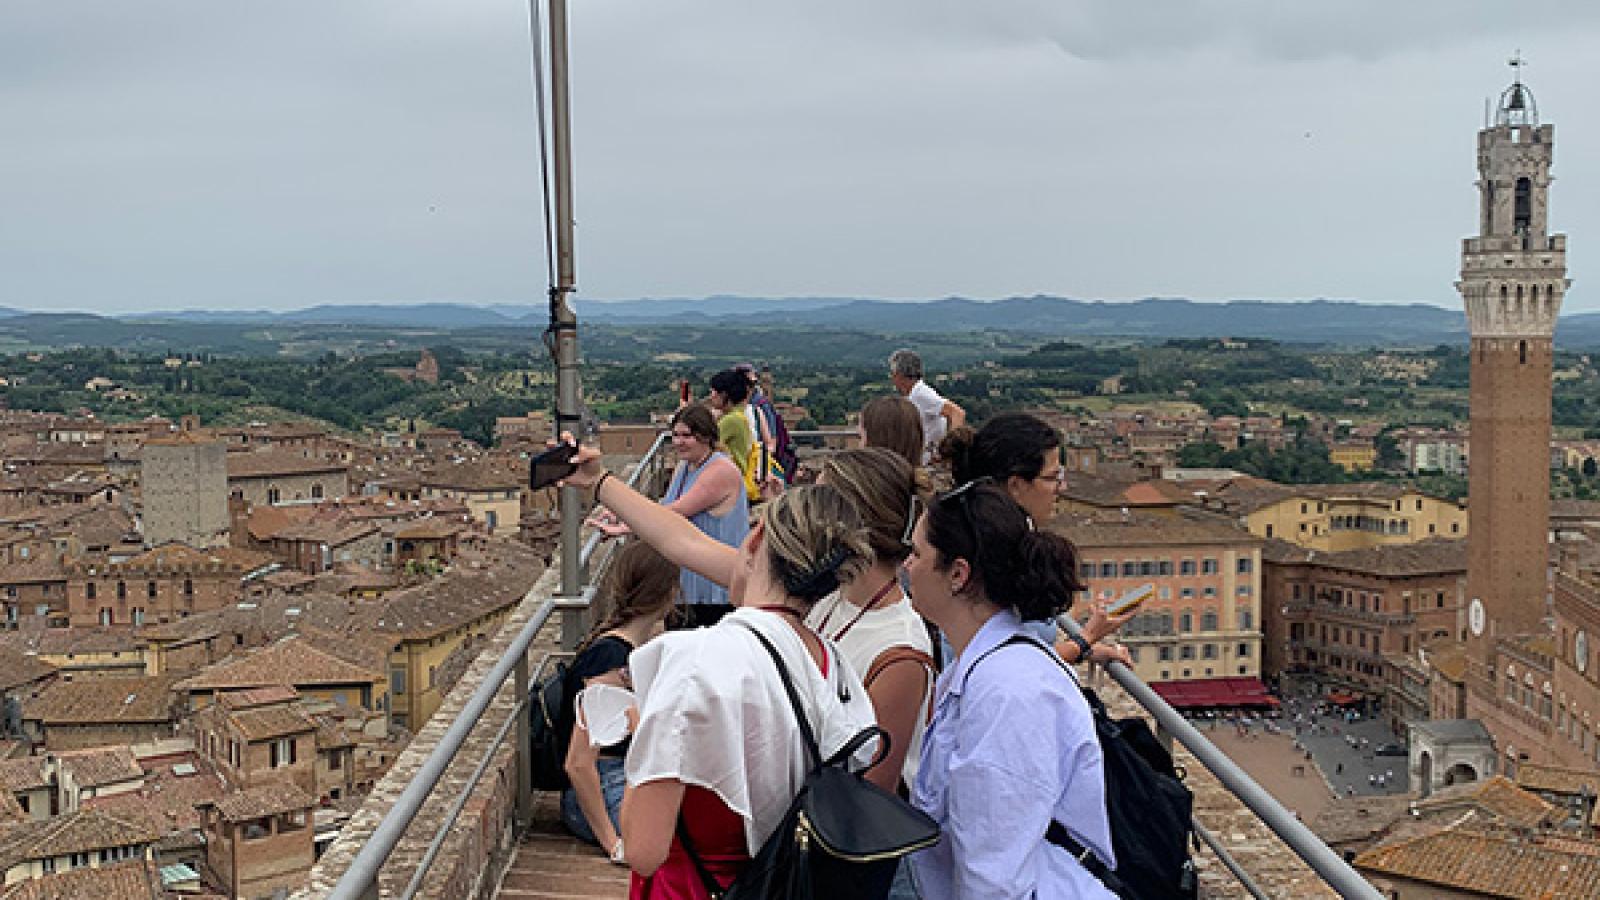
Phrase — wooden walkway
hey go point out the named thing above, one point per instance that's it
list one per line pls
(551, 864)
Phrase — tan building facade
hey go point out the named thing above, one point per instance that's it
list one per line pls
(1205, 620)
(184, 484)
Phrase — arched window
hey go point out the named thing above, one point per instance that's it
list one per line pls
(1522, 352)
(274, 496)
(316, 491)
(1522, 216)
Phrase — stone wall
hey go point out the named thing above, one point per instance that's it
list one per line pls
(481, 841)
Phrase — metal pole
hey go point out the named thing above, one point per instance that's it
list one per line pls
(519, 678)
(563, 322)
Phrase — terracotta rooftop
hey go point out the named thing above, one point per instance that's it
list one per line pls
(1499, 797)
(1451, 662)
(101, 766)
(1493, 865)
(25, 774)
(1557, 779)
(131, 880)
(291, 661)
(18, 668)
(1149, 529)
(104, 701)
(168, 800)
(1435, 556)
(427, 528)
(473, 477)
(266, 464)
(62, 641)
(267, 722)
(263, 801)
(332, 533)
(1347, 819)
(78, 832)
(39, 570)
(182, 557)
(262, 696)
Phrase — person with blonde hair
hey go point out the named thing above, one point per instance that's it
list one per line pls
(718, 756)
(637, 598)
(871, 618)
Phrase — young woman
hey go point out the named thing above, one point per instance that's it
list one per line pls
(870, 619)
(640, 592)
(894, 424)
(708, 490)
(729, 392)
(1022, 454)
(1011, 755)
(717, 749)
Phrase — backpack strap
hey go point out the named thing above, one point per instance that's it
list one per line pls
(806, 734)
(714, 888)
(896, 654)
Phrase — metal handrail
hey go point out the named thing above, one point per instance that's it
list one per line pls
(1335, 872)
(360, 880)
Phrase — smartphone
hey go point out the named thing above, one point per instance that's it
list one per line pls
(551, 466)
(1132, 600)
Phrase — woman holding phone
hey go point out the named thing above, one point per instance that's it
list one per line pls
(1022, 454)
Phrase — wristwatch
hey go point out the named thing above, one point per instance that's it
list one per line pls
(1083, 646)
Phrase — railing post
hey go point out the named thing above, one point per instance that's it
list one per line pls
(524, 809)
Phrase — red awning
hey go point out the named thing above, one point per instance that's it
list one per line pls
(1342, 698)
(1215, 692)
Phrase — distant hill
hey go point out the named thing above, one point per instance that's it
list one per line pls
(1316, 321)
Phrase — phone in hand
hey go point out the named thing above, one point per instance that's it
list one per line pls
(1132, 600)
(551, 466)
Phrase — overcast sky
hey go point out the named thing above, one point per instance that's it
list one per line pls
(162, 154)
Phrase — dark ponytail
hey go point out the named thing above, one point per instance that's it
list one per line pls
(1008, 444)
(1014, 565)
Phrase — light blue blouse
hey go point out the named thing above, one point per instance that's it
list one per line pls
(1011, 746)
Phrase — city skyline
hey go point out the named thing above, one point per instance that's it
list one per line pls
(185, 157)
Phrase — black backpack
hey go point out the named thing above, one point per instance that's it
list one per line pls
(842, 838)
(550, 728)
(1150, 811)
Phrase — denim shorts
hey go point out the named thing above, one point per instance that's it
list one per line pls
(612, 782)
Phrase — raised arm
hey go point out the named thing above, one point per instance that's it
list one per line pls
(954, 414)
(670, 533)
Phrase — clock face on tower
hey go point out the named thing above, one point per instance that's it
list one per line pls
(1580, 652)
(1475, 617)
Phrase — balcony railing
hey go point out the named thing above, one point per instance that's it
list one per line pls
(359, 881)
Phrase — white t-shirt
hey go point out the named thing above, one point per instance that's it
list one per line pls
(929, 405)
(895, 625)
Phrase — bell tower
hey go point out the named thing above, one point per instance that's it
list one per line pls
(1513, 276)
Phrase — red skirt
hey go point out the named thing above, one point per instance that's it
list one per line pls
(718, 835)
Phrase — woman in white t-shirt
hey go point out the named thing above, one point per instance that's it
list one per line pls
(870, 618)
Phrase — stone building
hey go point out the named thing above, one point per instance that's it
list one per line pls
(271, 477)
(259, 736)
(259, 840)
(1350, 615)
(184, 484)
(99, 712)
(1339, 516)
(491, 494)
(87, 839)
(1205, 620)
(172, 581)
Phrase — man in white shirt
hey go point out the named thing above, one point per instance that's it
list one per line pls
(938, 414)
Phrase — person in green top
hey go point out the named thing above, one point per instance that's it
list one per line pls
(729, 393)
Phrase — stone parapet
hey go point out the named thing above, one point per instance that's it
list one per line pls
(482, 840)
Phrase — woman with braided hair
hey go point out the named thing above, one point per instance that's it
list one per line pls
(638, 597)
(717, 756)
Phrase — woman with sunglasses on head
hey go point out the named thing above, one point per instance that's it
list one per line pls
(1022, 455)
(707, 490)
(871, 618)
(717, 751)
(1011, 767)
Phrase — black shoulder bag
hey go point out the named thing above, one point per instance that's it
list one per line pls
(842, 837)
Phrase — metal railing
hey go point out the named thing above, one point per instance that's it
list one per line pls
(360, 880)
(1333, 870)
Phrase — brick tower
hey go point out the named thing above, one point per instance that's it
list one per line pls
(1513, 276)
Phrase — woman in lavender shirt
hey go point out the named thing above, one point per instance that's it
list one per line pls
(1012, 746)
